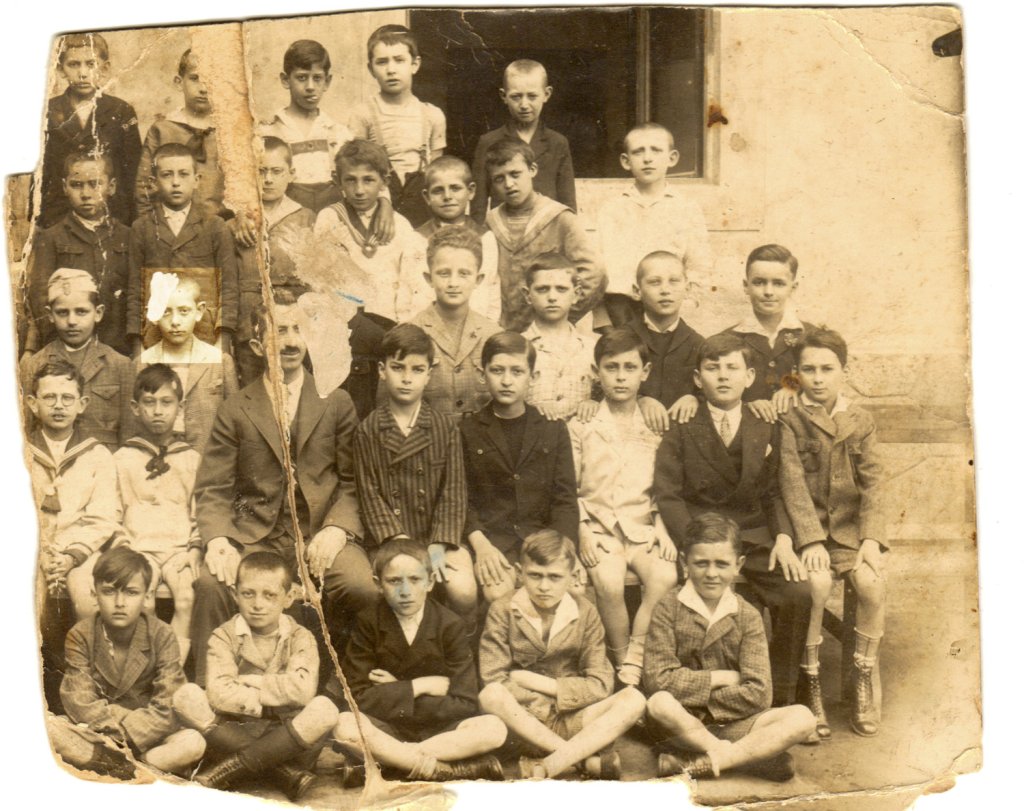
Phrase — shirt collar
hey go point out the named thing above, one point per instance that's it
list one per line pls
(727, 604)
(650, 325)
(568, 611)
(633, 193)
(88, 225)
(410, 625)
(182, 214)
(285, 206)
(842, 403)
(736, 411)
(292, 389)
(533, 335)
(750, 324)
(183, 116)
(285, 626)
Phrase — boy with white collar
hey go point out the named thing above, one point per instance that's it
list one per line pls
(547, 676)
(707, 669)
(620, 528)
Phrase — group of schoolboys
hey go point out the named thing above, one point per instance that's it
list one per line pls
(546, 424)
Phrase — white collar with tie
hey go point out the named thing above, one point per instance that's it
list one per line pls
(292, 391)
(727, 422)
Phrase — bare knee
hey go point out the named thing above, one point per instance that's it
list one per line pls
(320, 713)
(346, 730)
(494, 698)
(632, 702)
(488, 730)
(608, 579)
(870, 588)
(659, 582)
(662, 706)
(820, 584)
(192, 706)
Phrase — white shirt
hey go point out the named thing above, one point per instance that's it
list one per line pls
(406, 426)
(292, 391)
(842, 403)
(410, 625)
(56, 447)
(314, 142)
(650, 325)
(752, 326)
(90, 225)
(727, 603)
(568, 611)
(176, 219)
(735, 415)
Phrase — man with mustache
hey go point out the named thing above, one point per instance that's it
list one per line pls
(242, 503)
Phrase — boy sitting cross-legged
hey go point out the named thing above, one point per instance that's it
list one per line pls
(706, 668)
(409, 469)
(413, 677)
(830, 478)
(121, 675)
(620, 528)
(519, 467)
(156, 475)
(260, 714)
(547, 676)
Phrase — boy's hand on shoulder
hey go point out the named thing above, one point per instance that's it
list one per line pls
(436, 552)
(383, 224)
(553, 412)
(243, 229)
(587, 410)
(589, 544)
(324, 548)
(763, 410)
(380, 676)
(666, 550)
(193, 561)
(222, 560)
(870, 555)
(491, 565)
(59, 566)
(430, 686)
(815, 557)
(786, 558)
(684, 409)
(655, 415)
(784, 399)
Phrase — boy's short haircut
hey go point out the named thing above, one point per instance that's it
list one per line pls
(153, 378)
(407, 339)
(58, 368)
(725, 343)
(447, 163)
(183, 62)
(508, 149)
(650, 126)
(260, 316)
(392, 35)
(173, 149)
(116, 567)
(712, 527)
(822, 338)
(549, 260)
(619, 340)
(359, 152)
(523, 66)
(190, 284)
(658, 255)
(546, 546)
(305, 54)
(508, 343)
(265, 562)
(271, 143)
(94, 41)
(772, 253)
(394, 548)
(455, 236)
(99, 156)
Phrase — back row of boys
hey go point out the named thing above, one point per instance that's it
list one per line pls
(556, 284)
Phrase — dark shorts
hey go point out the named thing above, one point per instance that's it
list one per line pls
(412, 732)
(728, 731)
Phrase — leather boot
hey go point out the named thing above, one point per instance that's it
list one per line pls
(112, 764)
(482, 767)
(223, 775)
(863, 718)
(696, 766)
(292, 780)
(808, 693)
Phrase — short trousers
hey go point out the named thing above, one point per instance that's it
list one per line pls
(411, 732)
(728, 731)
(160, 560)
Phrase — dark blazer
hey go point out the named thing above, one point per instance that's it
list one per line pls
(671, 374)
(113, 128)
(694, 474)
(440, 648)
(138, 696)
(555, 177)
(103, 253)
(203, 244)
(510, 499)
(241, 483)
(771, 363)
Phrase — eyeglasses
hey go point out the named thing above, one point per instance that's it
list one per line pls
(51, 399)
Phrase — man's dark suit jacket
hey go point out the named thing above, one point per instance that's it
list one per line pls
(510, 499)
(694, 474)
(440, 648)
(241, 483)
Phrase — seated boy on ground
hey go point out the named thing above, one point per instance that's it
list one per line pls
(830, 456)
(207, 375)
(413, 677)
(121, 675)
(458, 332)
(546, 672)
(409, 470)
(156, 476)
(706, 668)
(519, 467)
(620, 528)
(260, 714)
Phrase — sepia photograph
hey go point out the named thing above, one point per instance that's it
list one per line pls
(551, 396)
